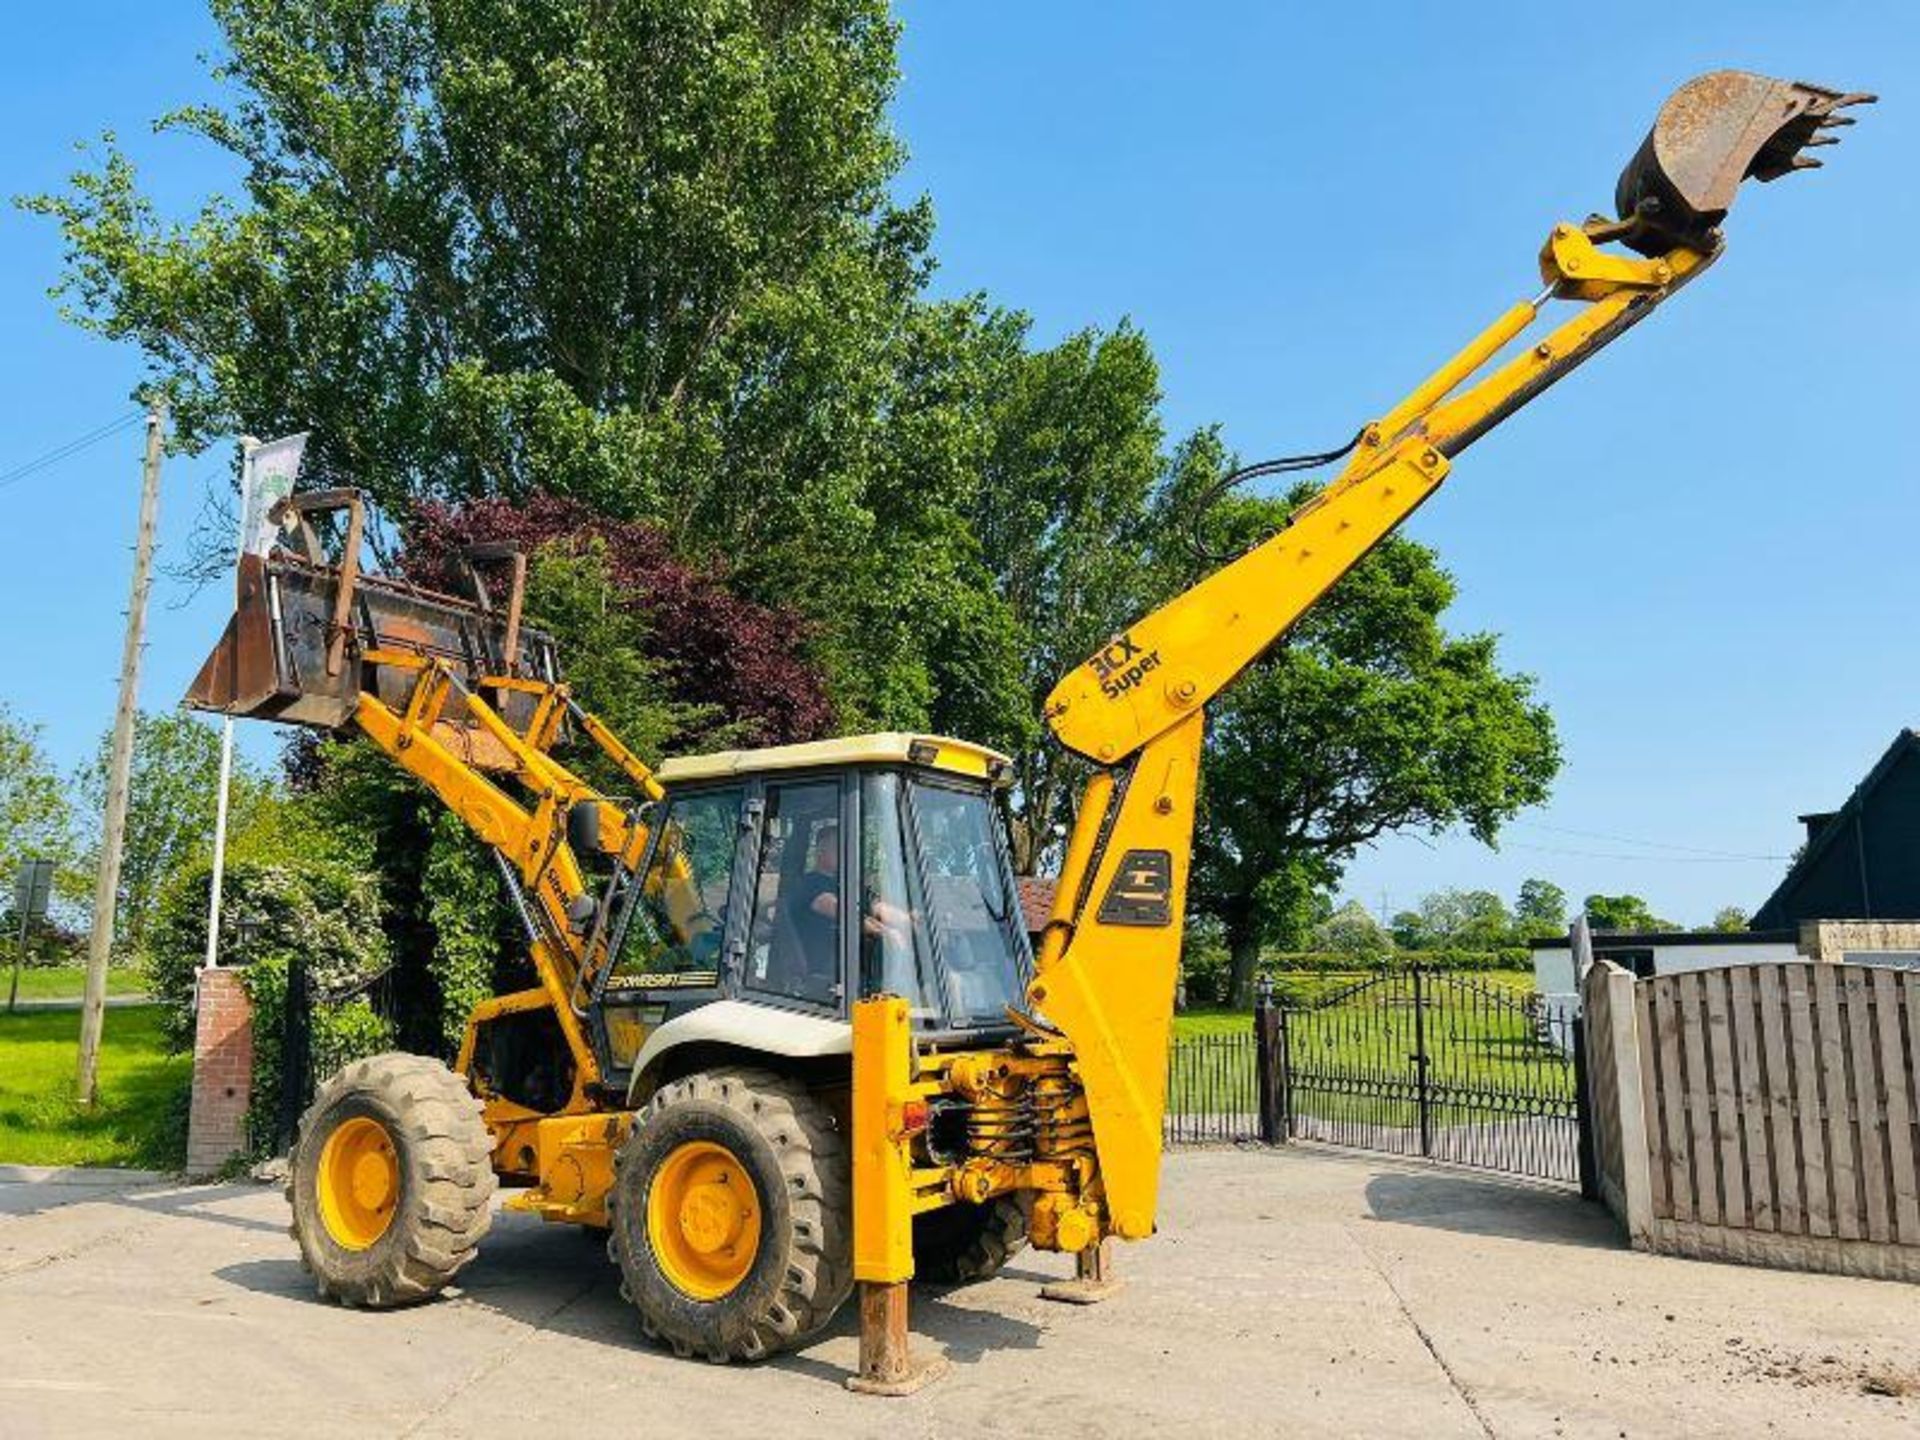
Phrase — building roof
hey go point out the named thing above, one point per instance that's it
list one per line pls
(1841, 827)
(1036, 900)
(893, 747)
(1647, 939)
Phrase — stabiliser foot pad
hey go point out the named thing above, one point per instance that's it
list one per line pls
(918, 1374)
(1082, 1292)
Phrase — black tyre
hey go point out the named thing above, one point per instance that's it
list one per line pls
(732, 1215)
(959, 1244)
(390, 1181)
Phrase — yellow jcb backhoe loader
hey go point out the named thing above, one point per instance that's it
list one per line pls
(788, 1033)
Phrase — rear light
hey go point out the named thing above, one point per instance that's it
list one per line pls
(914, 1115)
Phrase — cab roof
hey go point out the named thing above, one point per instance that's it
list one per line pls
(891, 747)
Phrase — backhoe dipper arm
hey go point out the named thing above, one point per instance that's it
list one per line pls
(1151, 676)
(1109, 956)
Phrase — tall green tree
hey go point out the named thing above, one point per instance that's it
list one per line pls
(1730, 918)
(1352, 930)
(1623, 913)
(1456, 919)
(1369, 718)
(1062, 514)
(1540, 910)
(172, 797)
(639, 253)
(36, 818)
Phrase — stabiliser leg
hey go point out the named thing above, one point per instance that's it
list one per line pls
(887, 1364)
(883, 1200)
(1093, 1278)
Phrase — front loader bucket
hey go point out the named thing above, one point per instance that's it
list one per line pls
(1712, 133)
(296, 650)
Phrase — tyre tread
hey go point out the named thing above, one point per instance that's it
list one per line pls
(447, 1152)
(814, 1160)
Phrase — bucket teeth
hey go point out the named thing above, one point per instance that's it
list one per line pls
(1712, 133)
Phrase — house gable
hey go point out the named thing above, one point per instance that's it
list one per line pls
(1863, 862)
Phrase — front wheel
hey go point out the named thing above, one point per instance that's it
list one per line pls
(731, 1215)
(391, 1181)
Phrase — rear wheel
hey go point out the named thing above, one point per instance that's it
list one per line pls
(731, 1215)
(390, 1181)
(959, 1244)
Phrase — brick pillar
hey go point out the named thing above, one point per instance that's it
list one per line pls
(222, 1072)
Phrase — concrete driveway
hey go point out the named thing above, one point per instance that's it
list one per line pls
(1297, 1292)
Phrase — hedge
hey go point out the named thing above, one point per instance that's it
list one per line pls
(325, 912)
(1204, 966)
(1277, 962)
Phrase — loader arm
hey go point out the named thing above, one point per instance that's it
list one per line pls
(1106, 967)
(460, 695)
(527, 831)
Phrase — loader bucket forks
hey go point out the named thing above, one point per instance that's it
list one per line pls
(305, 622)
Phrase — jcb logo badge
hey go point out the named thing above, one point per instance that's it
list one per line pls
(1121, 666)
(1141, 891)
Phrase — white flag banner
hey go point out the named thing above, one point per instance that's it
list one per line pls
(265, 480)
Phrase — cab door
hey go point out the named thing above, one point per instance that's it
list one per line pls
(800, 894)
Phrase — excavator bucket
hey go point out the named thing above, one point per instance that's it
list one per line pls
(306, 622)
(1712, 133)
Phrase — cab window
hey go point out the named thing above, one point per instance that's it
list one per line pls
(894, 949)
(794, 947)
(970, 904)
(680, 918)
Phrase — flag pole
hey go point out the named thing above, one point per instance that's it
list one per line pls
(247, 446)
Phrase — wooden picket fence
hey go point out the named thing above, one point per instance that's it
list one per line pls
(1761, 1113)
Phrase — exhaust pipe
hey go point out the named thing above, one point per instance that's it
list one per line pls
(1714, 132)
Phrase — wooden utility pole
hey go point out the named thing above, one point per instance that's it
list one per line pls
(106, 887)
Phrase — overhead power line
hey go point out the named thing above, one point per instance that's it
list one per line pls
(1643, 858)
(70, 448)
(1712, 852)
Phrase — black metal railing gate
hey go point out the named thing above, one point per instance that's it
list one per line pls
(1412, 1062)
(1437, 1065)
(312, 1048)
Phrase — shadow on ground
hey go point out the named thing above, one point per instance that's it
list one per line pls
(557, 1279)
(198, 1202)
(1468, 1205)
(21, 1197)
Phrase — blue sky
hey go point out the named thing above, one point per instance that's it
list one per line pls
(1701, 544)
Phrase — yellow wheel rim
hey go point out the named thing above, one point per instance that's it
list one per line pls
(703, 1220)
(359, 1182)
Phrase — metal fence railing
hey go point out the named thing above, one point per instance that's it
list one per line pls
(1213, 1090)
(1410, 1062)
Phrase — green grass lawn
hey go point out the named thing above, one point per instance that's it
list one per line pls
(140, 1092)
(1348, 1059)
(66, 982)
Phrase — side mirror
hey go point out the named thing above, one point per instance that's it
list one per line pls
(583, 827)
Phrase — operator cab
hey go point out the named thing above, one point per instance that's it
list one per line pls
(806, 876)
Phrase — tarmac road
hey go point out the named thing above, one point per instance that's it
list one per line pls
(1297, 1292)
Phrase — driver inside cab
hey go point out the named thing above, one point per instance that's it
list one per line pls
(816, 909)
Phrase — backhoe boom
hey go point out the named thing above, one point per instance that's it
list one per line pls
(1108, 958)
